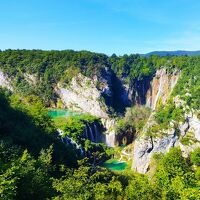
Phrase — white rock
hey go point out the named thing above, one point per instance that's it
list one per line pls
(4, 81)
(145, 147)
(83, 95)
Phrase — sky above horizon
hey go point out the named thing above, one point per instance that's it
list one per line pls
(106, 26)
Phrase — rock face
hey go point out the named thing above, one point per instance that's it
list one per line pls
(186, 136)
(194, 126)
(190, 135)
(4, 81)
(135, 92)
(91, 96)
(32, 79)
(149, 92)
(161, 87)
(145, 147)
(83, 95)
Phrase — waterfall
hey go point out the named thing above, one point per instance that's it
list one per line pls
(72, 142)
(159, 90)
(91, 133)
(96, 133)
(148, 103)
(86, 132)
(69, 140)
(110, 139)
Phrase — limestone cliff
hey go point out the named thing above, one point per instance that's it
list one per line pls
(186, 136)
(149, 91)
(145, 146)
(161, 87)
(93, 96)
(5, 82)
(83, 95)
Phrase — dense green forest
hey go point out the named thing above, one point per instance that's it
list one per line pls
(36, 164)
(50, 67)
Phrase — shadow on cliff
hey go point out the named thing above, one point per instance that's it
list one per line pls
(139, 89)
(131, 94)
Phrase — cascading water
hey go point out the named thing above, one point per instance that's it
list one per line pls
(91, 134)
(69, 140)
(159, 89)
(96, 133)
(86, 132)
(110, 139)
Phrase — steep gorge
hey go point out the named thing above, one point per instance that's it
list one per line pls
(185, 134)
(98, 94)
(105, 88)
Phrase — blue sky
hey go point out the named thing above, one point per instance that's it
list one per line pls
(107, 26)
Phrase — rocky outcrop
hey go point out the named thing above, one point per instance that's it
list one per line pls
(5, 82)
(32, 79)
(135, 92)
(145, 147)
(194, 126)
(150, 91)
(187, 137)
(85, 95)
(161, 87)
(93, 96)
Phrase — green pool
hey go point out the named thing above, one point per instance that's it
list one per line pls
(115, 165)
(55, 113)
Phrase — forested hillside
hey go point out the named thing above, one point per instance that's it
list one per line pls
(148, 108)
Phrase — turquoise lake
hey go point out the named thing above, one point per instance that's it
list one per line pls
(54, 113)
(115, 165)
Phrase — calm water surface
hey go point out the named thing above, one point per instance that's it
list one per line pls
(54, 113)
(115, 165)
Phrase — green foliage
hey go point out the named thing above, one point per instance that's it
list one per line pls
(74, 128)
(35, 164)
(133, 122)
(69, 74)
(188, 139)
(25, 122)
(132, 67)
(188, 84)
(165, 114)
(22, 176)
(49, 67)
(137, 116)
(140, 188)
(172, 165)
(87, 183)
(195, 157)
(134, 119)
(8, 184)
(175, 177)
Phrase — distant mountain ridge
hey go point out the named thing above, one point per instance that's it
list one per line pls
(173, 53)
